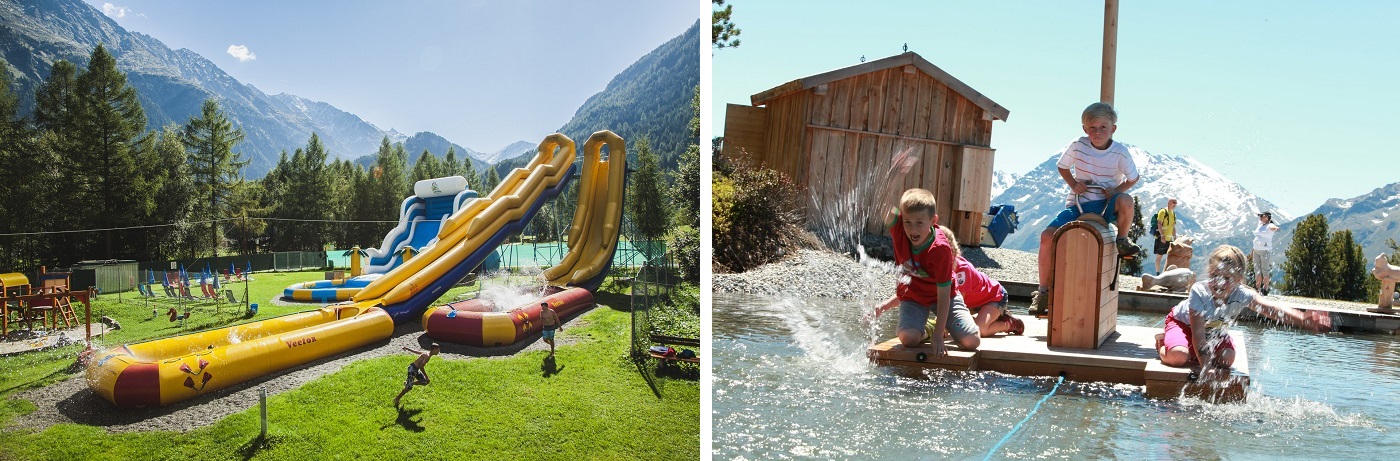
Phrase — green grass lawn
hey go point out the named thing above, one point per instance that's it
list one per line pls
(592, 405)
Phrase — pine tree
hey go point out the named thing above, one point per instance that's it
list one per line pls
(1135, 231)
(644, 201)
(386, 180)
(214, 167)
(473, 178)
(450, 166)
(174, 188)
(723, 34)
(56, 113)
(1348, 266)
(109, 130)
(361, 208)
(492, 180)
(685, 200)
(21, 175)
(1307, 267)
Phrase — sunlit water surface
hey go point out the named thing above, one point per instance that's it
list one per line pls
(791, 381)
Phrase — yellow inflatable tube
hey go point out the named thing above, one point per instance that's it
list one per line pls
(470, 228)
(593, 238)
(169, 370)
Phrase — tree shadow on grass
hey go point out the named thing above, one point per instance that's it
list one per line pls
(616, 301)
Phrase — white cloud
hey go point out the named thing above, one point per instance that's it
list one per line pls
(114, 10)
(241, 53)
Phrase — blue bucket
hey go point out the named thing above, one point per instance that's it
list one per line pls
(253, 309)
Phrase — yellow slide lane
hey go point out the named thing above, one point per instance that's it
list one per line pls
(593, 235)
(479, 219)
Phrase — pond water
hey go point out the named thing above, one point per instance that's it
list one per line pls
(791, 381)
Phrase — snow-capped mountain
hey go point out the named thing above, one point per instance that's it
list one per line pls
(1002, 180)
(1211, 208)
(513, 150)
(1373, 219)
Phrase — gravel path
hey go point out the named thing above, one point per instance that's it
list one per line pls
(70, 401)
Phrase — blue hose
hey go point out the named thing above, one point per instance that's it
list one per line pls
(1017, 427)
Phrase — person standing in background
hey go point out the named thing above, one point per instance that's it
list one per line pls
(1263, 250)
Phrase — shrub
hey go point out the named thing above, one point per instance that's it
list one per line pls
(756, 216)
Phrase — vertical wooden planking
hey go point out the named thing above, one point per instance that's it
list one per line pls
(860, 103)
(860, 168)
(947, 179)
(923, 109)
(894, 93)
(745, 127)
(816, 167)
(879, 82)
(909, 104)
(820, 105)
(939, 111)
(841, 110)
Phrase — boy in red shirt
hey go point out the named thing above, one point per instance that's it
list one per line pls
(926, 260)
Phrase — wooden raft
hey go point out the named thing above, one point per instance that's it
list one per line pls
(1084, 288)
(1128, 357)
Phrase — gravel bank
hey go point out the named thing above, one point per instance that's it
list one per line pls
(817, 273)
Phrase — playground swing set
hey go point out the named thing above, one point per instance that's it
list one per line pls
(50, 302)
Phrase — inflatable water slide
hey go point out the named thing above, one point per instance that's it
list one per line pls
(593, 238)
(165, 371)
(421, 217)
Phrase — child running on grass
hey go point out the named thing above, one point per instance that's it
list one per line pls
(550, 320)
(1196, 329)
(417, 374)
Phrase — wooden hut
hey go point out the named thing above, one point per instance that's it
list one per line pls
(833, 131)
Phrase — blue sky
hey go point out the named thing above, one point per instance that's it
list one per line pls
(482, 74)
(1296, 101)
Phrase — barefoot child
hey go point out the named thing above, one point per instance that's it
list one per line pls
(1196, 330)
(417, 375)
(550, 320)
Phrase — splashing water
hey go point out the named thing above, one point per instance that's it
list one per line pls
(508, 291)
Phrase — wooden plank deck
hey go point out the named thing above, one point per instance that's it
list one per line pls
(1128, 357)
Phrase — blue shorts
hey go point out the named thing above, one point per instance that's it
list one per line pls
(1102, 207)
(548, 334)
(913, 315)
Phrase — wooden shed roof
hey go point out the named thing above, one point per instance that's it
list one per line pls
(907, 58)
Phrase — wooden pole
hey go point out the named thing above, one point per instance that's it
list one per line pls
(1110, 49)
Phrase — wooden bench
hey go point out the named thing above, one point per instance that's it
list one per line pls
(675, 341)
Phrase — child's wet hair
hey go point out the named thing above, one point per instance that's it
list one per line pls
(1099, 110)
(1226, 260)
(917, 200)
(434, 346)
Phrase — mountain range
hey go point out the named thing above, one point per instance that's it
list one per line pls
(1211, 208)
(651, 97)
